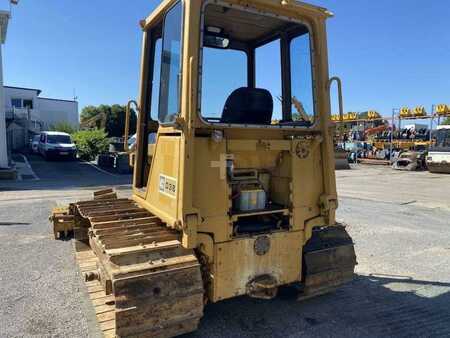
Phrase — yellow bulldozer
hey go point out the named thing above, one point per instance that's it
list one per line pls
(225, 201)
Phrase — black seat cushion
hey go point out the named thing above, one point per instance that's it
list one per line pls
(248, 106)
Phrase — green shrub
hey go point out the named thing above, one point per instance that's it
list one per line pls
(91, 143)
(63, 127)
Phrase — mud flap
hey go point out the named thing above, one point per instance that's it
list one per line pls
(328, 261)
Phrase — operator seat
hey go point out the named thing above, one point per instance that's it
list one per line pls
(248, 106)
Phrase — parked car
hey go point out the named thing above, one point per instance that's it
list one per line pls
(35, 144)
(54, 144)
(132, 140)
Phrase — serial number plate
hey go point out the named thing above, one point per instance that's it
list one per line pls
(64, 153)
(167, 185)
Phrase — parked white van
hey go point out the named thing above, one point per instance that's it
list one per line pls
(54, 144)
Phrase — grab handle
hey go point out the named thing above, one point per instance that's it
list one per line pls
(339, 88)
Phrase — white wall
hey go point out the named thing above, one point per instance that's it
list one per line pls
(16, 93)
(54, 111)
(48, 111)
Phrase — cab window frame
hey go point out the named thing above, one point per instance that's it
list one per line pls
(251, 69)
(148, 95)
(180, 76)
(200, 76)
(312, 57)
(152, 88)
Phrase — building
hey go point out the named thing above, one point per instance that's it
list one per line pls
(4, 18)
(27, 110)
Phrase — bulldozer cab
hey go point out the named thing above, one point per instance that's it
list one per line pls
(233, 109)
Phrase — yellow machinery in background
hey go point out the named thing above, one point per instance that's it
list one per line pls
(404, 114)
(443, 110)
(417, 112)
(225, 201)
(402, 144)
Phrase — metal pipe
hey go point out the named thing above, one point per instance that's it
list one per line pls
(433, 107)
(341, 104)
(391, 146)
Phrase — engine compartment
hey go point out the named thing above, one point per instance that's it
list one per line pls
(253, 208)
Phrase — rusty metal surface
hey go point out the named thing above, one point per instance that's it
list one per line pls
(154, 283)
(63, 222)
(329, 261)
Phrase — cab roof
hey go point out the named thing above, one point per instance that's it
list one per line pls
(292, 4)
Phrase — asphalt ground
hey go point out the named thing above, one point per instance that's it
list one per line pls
(68, 173)
(401, 287)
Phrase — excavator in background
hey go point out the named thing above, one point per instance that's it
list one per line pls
(375, 130)
(97, 121)
(225, 202)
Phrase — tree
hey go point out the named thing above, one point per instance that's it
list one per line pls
(115, 124)
(88, 112)
(446, 121)
(115, 118)
(63, 127)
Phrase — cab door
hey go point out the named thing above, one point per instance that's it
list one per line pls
(160, 93)
(148, 125)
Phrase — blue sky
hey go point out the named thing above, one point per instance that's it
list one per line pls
(388, 53)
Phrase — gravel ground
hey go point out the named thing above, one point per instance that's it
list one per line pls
(402, 286)
(380, 183)
(40, 286)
